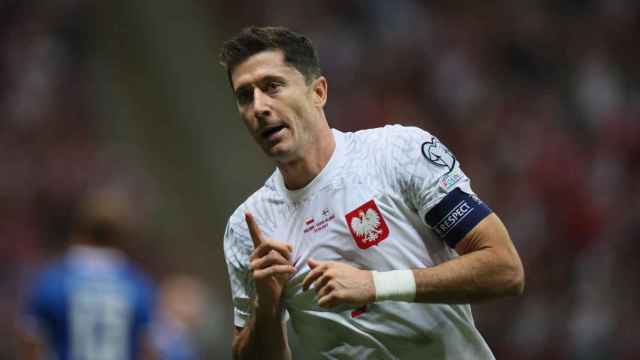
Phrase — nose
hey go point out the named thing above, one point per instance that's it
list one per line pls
(260, 104)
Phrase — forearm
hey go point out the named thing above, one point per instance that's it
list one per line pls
(264, 337)
(489, 267)
(476, 276)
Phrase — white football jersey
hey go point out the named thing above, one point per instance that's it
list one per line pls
(366, 208)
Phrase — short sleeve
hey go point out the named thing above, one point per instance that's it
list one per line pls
(147, 301)
(237, 250)
(428, 176)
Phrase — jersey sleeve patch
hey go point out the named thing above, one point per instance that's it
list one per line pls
(438, 154)
(455, 215)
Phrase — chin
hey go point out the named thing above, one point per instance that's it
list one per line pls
(282, 157)
(281, 154)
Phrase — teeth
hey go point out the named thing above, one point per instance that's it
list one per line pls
(273, 130)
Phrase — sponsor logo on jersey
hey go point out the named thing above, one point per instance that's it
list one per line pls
(366, 224)
(438, 154)
(453, 218)
(311, 225)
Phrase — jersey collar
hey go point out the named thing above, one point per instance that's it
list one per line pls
(323, 179)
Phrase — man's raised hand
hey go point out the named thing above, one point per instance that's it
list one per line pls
(270, 265)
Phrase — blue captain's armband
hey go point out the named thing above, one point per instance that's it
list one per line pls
(455, 215)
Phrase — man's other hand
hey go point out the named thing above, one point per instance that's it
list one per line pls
(337, 283)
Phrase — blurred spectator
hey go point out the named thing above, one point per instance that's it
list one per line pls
(92, 303)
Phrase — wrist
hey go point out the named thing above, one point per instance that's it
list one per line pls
(396, 285)
(273, 310)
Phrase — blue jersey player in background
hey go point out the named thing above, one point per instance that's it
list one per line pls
(92, 304)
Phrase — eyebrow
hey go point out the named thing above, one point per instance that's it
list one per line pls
(260, 81)
(272, 78)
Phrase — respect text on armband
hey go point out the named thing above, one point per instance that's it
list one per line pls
(453, 218)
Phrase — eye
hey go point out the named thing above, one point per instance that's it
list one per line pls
(272, 87)
(244, 96)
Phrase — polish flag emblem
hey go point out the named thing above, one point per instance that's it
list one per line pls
(367, 225)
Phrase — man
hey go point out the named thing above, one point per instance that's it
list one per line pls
(372, 243)
(93, 303)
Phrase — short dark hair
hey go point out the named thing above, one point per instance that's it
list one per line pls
(297, 49)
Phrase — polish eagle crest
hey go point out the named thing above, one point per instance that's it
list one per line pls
(366, 224)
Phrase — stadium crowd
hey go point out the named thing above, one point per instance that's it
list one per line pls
(539, 100)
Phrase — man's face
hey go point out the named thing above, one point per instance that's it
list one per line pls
(279, 109)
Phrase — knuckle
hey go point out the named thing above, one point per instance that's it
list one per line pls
(268, 256)
(273, 258)
(275, 255)
(257, 275)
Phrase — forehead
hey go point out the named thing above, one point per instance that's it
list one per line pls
(265, 63)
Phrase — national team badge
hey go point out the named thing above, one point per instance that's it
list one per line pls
(367, 225)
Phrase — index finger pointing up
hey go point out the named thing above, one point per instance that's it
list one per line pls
(254, 230)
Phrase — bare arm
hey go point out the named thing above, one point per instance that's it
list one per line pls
(488, 267)
(265, 336)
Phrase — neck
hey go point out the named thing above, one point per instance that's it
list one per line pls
(300, 172)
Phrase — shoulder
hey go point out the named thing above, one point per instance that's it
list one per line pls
(390, 146)
(391, 132)
(388, 138)
(52, 274)
(264, 204)
(48, 284)
(139, 279)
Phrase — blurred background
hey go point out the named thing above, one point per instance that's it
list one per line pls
(539, 100)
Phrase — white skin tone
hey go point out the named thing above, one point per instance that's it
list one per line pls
(285, 116)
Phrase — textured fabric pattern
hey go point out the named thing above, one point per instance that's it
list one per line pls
(376, 190)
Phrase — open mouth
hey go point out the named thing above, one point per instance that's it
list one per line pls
(271, 131)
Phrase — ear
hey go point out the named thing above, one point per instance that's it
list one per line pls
(319, 88)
